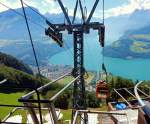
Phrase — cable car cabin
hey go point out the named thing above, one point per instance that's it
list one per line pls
(102, 91)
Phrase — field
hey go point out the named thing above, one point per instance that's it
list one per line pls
(11, 99)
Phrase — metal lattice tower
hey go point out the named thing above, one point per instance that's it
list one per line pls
(79, 98)
(79, 86)
(78, 30)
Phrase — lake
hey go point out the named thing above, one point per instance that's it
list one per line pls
(137, 69)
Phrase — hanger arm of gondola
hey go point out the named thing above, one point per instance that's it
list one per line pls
(75, 12)
(82, 12)
(92, 11)
(64, 11)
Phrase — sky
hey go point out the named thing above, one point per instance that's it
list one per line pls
(112, 7)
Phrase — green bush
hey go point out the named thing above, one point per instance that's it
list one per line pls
(18, 79)
(119, 82)
(92, 101)
(62, 102)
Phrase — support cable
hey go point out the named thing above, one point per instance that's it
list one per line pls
(88, 46)
(82, 11)
(39, 14)
(26, 17)
(43, 17)
(103, 24)
(30, 36)
(75, 12)
(21, 15)
(34, 10)
(35, 56)
(85, 11)
(103, 46)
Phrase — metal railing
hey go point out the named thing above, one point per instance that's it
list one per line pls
(28, 103)
(145, 105)
(25, 105)
(135, 96)
(101, 117)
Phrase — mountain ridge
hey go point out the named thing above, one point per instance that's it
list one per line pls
(134, 44)
(11, 61)
(17, 75)
(14, 29)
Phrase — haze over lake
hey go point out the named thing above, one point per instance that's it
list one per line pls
(136, 69)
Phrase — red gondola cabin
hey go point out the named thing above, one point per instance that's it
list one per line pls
(102, 91)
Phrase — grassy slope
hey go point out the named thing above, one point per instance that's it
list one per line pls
(13, 62)
(15, 77)
(66, 114)
(65, 80)
(11, 99)
(19, 78)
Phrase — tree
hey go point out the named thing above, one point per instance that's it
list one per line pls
(62, 102)
(92, 101)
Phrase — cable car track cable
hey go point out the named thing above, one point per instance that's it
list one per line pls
(46, 19)
(13, 10)
(30, 36)
(27, 18)
(35, 55)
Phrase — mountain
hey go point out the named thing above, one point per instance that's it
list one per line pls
(17, 78)
(14, 39)
(134, 44)
(11, 61)
(117, 26)
(13, 25)
(16, 29)
(17, 74)
(134, 37)
(23, 51)
(138, 19)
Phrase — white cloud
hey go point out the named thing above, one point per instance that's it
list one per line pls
(45, 5)
(9, 3)
(42, 5)
(128, 8)
(52, 6)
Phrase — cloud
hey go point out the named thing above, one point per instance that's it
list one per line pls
(10, 3)
(128, 8)
(45, 6)
(42, 5)
(52, 6)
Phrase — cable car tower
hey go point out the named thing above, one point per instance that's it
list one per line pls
(77, 30)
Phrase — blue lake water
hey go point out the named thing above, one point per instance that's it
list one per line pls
(137, 69)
